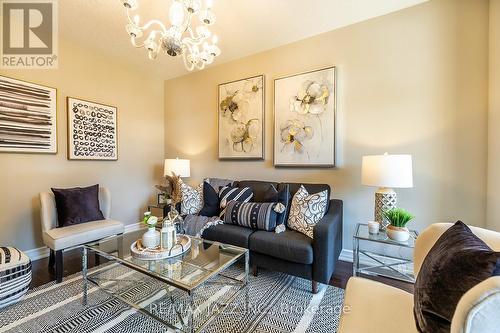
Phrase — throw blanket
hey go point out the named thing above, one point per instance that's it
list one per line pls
(195, 225)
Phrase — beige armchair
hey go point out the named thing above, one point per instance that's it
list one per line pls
(60, 239)
(376, 307)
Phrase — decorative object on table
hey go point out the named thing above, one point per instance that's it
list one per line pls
(15, 270)
(168, 235)
(398, 219)
(386, 172)
(378, 255)
(139, 251)
(164, 199)
(306, 210)
(181, 38)
(373, 227)
(241, 119)
(173, 170)
(151, 238)
(92, 131)
(304, 119)
(28, 117)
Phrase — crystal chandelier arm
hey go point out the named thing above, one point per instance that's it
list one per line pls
(148, 24)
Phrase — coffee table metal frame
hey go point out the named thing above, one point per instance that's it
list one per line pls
(189, 325)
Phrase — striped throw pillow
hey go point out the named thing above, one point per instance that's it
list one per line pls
(231, 193)
(254, 215)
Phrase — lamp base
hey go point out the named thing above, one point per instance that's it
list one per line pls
(385, 199)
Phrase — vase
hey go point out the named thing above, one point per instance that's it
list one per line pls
(398, 234)
(151, 238)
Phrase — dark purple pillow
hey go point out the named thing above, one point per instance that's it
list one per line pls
(457, 262)
(77, 205)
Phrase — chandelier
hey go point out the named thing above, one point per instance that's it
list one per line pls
(180, 38)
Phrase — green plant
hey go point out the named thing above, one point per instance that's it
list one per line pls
(398, 217)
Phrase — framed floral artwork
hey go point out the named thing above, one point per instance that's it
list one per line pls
(304, 119)
(241, 119)
(92, 131)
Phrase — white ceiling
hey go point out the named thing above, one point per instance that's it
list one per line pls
(244, 27)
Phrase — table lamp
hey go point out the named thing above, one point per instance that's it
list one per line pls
(386, 172)
(178, 167)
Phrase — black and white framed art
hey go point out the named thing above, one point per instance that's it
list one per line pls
(92, 130)
(28, 117)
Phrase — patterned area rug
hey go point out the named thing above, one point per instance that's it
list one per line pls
(277, 303)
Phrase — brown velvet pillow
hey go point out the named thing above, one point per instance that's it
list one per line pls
(457, 262)
(77, 205)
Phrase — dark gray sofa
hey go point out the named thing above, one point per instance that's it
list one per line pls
(290, 252)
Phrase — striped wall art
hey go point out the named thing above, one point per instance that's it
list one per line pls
(27, 117)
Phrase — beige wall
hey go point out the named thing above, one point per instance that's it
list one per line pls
(493, 211)
(414, 81)
(139, 101)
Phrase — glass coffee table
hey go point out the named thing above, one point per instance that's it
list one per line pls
(183, 292)
(378, 255)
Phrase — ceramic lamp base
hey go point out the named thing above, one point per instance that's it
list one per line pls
(385, 199)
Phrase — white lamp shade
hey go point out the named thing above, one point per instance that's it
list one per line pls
(387, 171)
(180, 167)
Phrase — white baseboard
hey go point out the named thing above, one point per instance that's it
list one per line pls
(43, 252)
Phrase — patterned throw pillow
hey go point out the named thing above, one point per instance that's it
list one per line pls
(252, 215)
(191, 198)
(230, 193)
(307, 210)
(282, 196)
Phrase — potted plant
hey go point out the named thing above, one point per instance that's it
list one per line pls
(151, 238)
(398, 219)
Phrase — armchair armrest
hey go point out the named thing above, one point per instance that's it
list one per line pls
(477, 310)
(327, 243)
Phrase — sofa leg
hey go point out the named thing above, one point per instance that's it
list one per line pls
(314, 287)
(255, 270)
(52, 259)
(59, 266)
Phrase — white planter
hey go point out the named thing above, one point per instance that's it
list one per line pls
(398, 234)
(151, 238)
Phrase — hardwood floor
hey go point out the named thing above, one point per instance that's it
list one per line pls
(73, 264)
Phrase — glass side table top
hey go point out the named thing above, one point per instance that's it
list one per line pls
(202, 261)
(363, 234)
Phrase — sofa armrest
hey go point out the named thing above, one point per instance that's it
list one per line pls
(327, 243)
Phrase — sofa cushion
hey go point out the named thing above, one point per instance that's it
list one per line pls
(311, 188)
(78, 234)
(191, 198)
(253, 215)
(282, 196)
(77, 205)
(289, 245)
(458, 261)
(210, 201)
(228, 234)
(307, 210)
(258, 187)
(232, 193)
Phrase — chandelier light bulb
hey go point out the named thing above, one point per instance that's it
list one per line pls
(209, 3)
(176, 14)
(203, 31)
(215, 39)
(137, 19)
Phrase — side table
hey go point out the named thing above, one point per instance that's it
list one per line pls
(378, 255)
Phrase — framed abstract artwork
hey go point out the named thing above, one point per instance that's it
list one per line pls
(241, 119)
(304, 119)
(28, 117)
(92, 131)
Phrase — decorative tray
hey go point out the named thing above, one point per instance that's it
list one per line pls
(138, 251)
